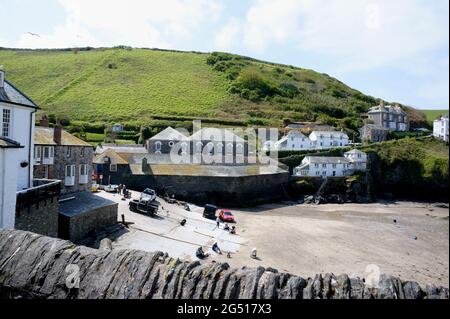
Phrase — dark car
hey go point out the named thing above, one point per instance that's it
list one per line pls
(209, 211)
(226, 216)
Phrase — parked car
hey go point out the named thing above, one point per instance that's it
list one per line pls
(148, 194)
(209, 211)
(226, 216)
(112, 188)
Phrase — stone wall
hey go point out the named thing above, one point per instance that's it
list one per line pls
(39, 269)
(57, 171)
(220, 190)
(79, 226)
(41, 218)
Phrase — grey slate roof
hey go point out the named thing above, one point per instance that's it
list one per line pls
(10, 94)
(8, 143)
(327, 160)
(169, 134)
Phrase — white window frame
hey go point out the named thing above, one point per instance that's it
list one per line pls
(70, 169)
(68, 151)
(113, 167)
(8, 133)
(46, 153)
(82, 152)
(37, 152)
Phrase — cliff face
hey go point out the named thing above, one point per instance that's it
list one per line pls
(35, 266)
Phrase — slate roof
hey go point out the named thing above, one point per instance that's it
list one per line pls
(44, 136)
(10, 94)
(115, 158)
(329, 133)
(169, 134)
(125, 148)
(206, 134)
(327, 160)
(355, 151)
(8, 143)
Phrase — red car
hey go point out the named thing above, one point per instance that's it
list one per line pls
(226, 216)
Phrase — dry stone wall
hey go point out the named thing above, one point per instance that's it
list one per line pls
(35, 266)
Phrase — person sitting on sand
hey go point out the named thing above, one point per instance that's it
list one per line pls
(216, 249)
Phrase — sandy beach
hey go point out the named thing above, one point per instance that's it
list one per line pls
(356, 239)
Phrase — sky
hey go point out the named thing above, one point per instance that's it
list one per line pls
(395, 50)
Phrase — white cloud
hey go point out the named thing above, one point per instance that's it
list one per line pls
(146, 23)
(229, 35)
(359, 34)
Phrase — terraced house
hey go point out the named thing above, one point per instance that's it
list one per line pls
(60, 155)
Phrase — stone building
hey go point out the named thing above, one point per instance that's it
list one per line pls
(164, 141)
(60, 155)
(373, 133)
(391, 117)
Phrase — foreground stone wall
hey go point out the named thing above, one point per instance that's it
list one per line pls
(34, 266)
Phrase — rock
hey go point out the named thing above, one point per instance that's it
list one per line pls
(35, 266)
(412, 290)
(105, 244)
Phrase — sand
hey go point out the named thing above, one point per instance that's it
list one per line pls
(356, 239)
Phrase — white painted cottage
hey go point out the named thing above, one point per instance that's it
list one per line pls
(17, 116)
(297, 141)
(327, 166)
(293, 141)
(440, 128)
(328, 139)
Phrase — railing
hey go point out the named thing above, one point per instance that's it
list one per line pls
(42, 190)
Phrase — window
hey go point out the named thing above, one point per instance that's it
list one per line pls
(158, 146)
(82, 152)
(83, 169)
(317, 173)
(113, 168)
(316, 165)
(52, 151)
(6, 123)
(46, 151)
(334, 165)
(70, 170)
(37, 152)
(324, 165)
(68, 151)
(324, 173)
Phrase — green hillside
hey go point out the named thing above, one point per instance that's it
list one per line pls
(434, 114)
(138, 86)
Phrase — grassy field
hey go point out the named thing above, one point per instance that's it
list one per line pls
(434, 114)
(151, 87)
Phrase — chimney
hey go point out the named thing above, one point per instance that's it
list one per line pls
(57, 132)
(2, 79)
(44, 121)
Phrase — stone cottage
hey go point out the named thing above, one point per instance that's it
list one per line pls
(60, 155)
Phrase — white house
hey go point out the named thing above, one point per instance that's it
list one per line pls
(293, 141)
(327, 166)
(117, 128)
(328, 139)
(357, 159)
(440, 128)
(296, 141)
(323, 166)
(17, 116)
